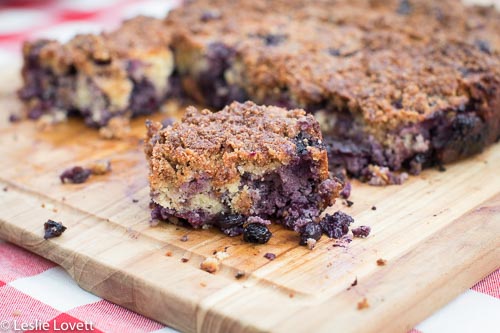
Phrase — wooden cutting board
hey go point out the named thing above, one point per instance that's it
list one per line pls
(439, 233)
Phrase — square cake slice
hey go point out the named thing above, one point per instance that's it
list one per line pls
(122, 73)
(246, 163)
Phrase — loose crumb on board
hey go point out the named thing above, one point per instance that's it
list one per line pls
(355, 282)
(270, 256)
(210, 265)
(374, 208)
(239, 275)
(291, 295)
(184, 260)
(381, 262)
(100, 167)
(184, 238)
(203, 284)
(363, 304)
(53, 229)
(361, 232)
(168, 253)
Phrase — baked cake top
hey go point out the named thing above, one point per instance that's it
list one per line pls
(102, 53)
(243, 137)
(392, 62)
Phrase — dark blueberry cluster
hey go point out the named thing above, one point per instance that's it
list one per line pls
(231, 225)
(336, 225)
(256, 233)
(310, 230)
(53, 229)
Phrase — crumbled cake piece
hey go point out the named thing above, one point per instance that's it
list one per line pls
(270, 256)
(210, 265)
(311, 243)
(122, 73)
(53, 229)
(381, 262)
(100, 167)
(362, 231)
(336, 225)
(389, 97)
(363, 304)
(246, 163)
(116, 128)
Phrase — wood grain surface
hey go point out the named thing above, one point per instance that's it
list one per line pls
(439, 234)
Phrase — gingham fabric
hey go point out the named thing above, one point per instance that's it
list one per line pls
(38, 296)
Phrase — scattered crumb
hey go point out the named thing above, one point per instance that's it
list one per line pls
(43, 205)
(63, 199)
(346, 191)
(221, 255)
(311, 243)
(53, 229)
(348, 203)
(169, 253)
(210, 265)
(117, 128)
(5, 189)
(381, 262)
(374, 208)
(363, 304)
(203, 284)
(75, 175)
(184, 260)
(291, 295)
(100, 167)
(355, 282)
(135, 200)
(239, 275)
(54, 210)
(362, 231)
(206, 226)
(14, 118)
(270, 256)
(184, 238)
(329, 264)
(47, 121)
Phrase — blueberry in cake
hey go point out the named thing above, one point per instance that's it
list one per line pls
(122, 73)
(240, 166)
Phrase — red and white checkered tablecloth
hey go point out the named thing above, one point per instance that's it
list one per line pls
(35, 292)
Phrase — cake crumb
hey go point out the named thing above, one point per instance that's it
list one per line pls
(291, 295)
(221, 255)
(135, 200)
(53, 229)
(362, 231)
(374, 208)
(100, 167)
(349, 203)
(5, 189)
(239, 275)
(270, 256)
(311, 243)
(355, 282)
(203, 284)
(363, 304)
(210, 265)
(117, 128)
(169, 253)
(184, 238)
(381, 262)
(75, 175)
(184, 260)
